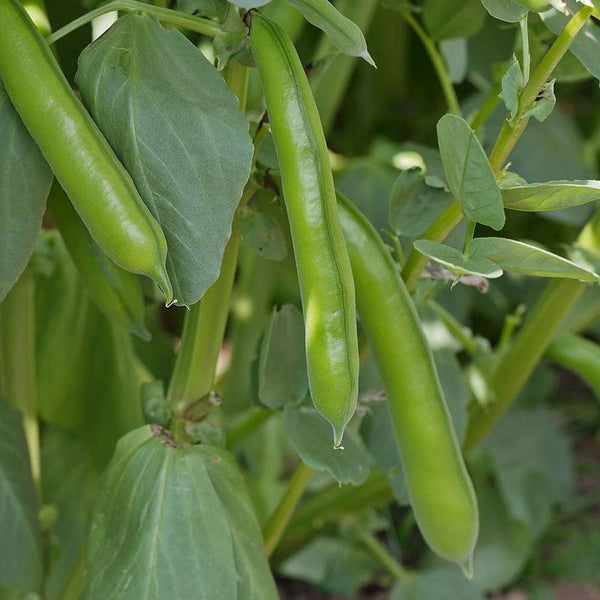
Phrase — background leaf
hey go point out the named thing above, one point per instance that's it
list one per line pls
(179, 131)
(468, 172)
(510, 11)
(435, 584)
(527, 259)
(21, 564)
(282, 372)
(25, 180)
(174, 522)
(453, 18)
(309, 434)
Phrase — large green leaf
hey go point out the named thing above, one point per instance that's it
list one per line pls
(174, 521)
(179, 131)
(551, 195)
(21, 562)
(456, 261)
(345, 35)
(282, 374)
(468, 172)
(586, 46)
(308, 432)
(70, 485)
(25, 180)
(88, 378)
(510, 11)
(453, 18)
(527, 259)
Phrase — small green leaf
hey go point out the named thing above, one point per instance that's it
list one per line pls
(228, 46)
(262, 233)
(25, 180)
(174, 521)
(456, 261)
(453, 18)
(21, 563)
(345, 35)
(551, 195)
(310, 434)
(414, 205)
(468, 172)
(282, 374)
(520, 257)
(512, 84)
(510, 11)
(544, 103)
(179, 131)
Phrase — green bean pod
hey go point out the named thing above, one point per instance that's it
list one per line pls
(440, 490)
(116, 292)
(97, 184)
(324, 272)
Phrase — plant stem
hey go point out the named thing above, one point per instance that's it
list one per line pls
(327, 507)
(438, 64)
(380, 552)
(525, 43)
(175, 17)
(204, 326)
(285, 509)
(506, 140)
(17, 347)
(457, 329)
(525, 353)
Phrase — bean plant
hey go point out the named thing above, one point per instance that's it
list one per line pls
(299, 297)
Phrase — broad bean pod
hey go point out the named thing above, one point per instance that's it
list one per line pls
(324, 272)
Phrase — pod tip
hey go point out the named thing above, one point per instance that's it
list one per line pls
(466, 567)
(161, 278)
(338, 434)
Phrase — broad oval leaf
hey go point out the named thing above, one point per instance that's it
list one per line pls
(551, 195)
(520, 257)
(282, 374)
(586, 46)
(179, 132)
(25, 180)
(21, 563)
(310, 434)
(468, 172)
(174, 521)
(510, 11)
(344, 34)
(456, 261)
(446, 19)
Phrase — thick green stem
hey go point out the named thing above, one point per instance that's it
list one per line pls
(285, 509)
(330, 85)
(204, 327)
(17, 349)
(175, 17)
(506, 140)
(525, 353)
(326, 509)
(438, 64)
